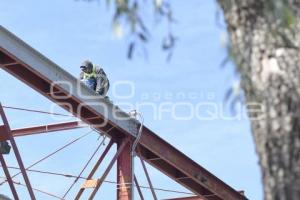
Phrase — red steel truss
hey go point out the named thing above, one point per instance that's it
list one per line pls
(7, 132)
(42, 129)
(26, 64)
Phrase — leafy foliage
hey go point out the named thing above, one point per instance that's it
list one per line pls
(129, 17)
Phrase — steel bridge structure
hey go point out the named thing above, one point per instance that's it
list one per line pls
(44, 76)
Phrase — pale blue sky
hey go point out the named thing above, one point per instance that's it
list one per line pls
(70, 31)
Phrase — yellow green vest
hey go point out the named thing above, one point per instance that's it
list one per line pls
(90, 75)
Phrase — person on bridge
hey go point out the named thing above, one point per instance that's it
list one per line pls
(94, 78)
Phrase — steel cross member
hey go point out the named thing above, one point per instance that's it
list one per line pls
(8, 177)
(112, 162)
(17, 153)
(124, 172)
(90, 176)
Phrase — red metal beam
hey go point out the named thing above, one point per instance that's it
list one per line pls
(3, 133)
(42, 129)
(148, 179)
(47, 128)
(164, 156)
(17, 153)
(8, 177)
(110, 165)
(138, 188)
(9, 64)
(184, 170)
(124, 172)
(201, 185)
(91, 174)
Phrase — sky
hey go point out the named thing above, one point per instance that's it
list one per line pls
(69, 32)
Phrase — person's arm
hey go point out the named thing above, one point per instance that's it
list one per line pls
(99, 71)
(102, 82)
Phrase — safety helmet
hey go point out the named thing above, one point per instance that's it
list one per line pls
(87, 65)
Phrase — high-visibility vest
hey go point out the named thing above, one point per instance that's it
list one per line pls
(90, 75)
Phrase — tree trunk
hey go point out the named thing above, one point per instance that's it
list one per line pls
(266, 53)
